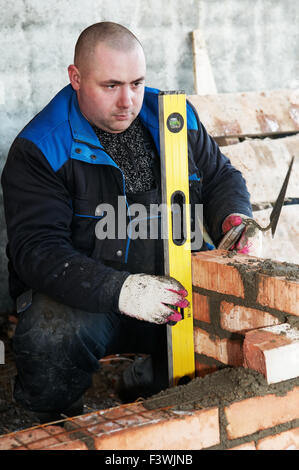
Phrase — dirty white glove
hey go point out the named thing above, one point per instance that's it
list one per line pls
(151, 298)
(250, 242)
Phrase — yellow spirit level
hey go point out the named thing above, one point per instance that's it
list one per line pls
(176, 227)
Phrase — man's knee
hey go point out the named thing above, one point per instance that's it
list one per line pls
(44, 325)
(54, 365)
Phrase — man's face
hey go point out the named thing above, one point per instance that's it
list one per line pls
(110, 87)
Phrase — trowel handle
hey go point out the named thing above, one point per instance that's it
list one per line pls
(231, 237)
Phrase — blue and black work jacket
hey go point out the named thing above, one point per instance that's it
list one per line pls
(57, 174)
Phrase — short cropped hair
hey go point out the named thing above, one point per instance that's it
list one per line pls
(114, 35)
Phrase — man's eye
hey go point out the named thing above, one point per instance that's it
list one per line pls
(137, 85)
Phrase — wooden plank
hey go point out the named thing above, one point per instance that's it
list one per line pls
(264, 163)
(285, 244)
(204, 82)
(265, 113)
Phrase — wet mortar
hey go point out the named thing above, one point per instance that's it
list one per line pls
(249, 272)
(219, 388)
(293, 321)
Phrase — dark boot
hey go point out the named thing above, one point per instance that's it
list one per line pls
(141, 380)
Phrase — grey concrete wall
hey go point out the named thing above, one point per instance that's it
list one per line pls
(253, 44)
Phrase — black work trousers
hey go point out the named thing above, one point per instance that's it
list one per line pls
(57, 349)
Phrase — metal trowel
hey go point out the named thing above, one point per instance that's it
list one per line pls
(235, 233)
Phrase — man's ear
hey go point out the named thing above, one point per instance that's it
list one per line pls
(74, 76)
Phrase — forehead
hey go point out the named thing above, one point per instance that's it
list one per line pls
(107, 62)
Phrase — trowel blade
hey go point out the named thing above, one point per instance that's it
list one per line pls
(274, 216)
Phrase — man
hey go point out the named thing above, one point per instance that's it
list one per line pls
(80, 296)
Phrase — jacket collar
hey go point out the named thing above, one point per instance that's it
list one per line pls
(81, 129)
(149, 114)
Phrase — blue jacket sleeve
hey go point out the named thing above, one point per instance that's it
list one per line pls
(38, 213)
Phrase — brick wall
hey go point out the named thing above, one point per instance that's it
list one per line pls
(245, 314)
(257, 423)
(235, 298)
(245, 317)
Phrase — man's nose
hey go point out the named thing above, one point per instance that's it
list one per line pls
(125, 97)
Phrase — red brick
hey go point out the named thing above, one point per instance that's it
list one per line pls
(224, 350)
(132, 420)
(211, 270)
(31, 435)
(8, 442)
(135, 407)
(133, 427)
(13, 319)
(53, 430)
(71, 445)
(43, 444)
(182, 430)
(273, 352)
(237, 318)
(279, 293)
(254, 414)
(106, 427)
(202, 369)
(88, 419)
(155, 414)
(40, 438)
(201, 309)
(57, 431)
(287, 440)
(116, 413)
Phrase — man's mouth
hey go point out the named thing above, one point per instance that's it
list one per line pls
(123, 117)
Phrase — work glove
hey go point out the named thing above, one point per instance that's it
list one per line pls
(250, 242)
(152, 298)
